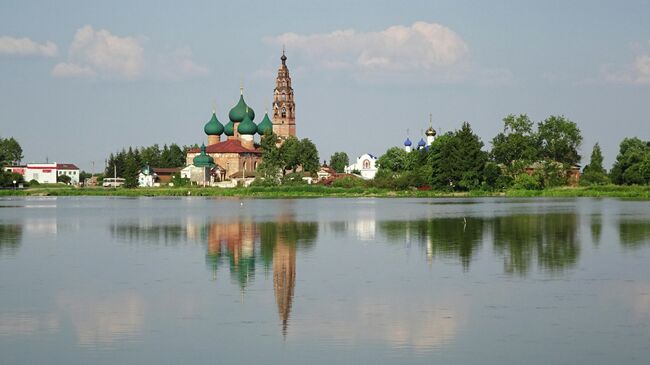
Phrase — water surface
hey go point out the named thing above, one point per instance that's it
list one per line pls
(322, 281)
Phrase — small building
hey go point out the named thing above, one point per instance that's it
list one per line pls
(366, 165)
(325, 172)
(46, 173)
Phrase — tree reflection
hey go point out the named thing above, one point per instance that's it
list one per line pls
(550, 237)
(442, 237)
(168, 234)
(11, 236)
(634, 233)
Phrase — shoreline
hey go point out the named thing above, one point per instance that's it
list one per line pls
(312, 191)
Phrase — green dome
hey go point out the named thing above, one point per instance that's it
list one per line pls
(213, 127)
(203, 160)
(237, 112)
(229, 129)
(247, 126)
(265, 125)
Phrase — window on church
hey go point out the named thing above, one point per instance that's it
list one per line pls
(284, 112)
(284, 97)
(366, 164)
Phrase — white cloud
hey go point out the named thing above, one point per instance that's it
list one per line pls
(101, 54)
(419, 47)
(636, 73)
(26, 47)
(177, 65)
(63, 69)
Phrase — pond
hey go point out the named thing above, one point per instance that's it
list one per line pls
(238, 281)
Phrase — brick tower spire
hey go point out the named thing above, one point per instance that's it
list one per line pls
(284, 107)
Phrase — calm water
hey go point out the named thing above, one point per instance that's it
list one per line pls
(322, 281)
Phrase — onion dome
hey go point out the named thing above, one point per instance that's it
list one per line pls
(421, 143)
(247, 126)
(202, 159)
(408, 142)
(430, 132)
(237, 112)
(213, 127)
(265, 125)
(229, 129)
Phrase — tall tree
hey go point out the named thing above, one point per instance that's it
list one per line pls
(290, 151)
(272, 164)
(10, 151)
(308, 156)
(338, 161)
(627, 168)
(594, 173)
(457, 160)
(559, 139)
(517, 146)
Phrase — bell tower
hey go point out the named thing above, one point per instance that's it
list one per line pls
(284, 107)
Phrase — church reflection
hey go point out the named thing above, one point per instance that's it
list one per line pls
(243, 245)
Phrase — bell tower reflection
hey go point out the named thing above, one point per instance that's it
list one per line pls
(245, 244)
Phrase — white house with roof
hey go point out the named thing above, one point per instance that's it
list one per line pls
(47, 173)
(366, 164)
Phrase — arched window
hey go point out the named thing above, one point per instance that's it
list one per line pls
(284, 112)
(366, 164)
(244, 165)
(284, 96)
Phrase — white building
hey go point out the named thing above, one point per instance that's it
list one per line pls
(47, 173)
(366, 165)
(147, 178)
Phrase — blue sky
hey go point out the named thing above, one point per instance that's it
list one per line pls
(79, 80)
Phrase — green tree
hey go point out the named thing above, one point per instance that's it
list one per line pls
(517, 146)
(65, 179)
(627, 168)
(339, 160)
(10, 151)
(290, 152)
(308, 156)
(594, 173)
(272, 164)
(559, 140)
(458, 160)
(131, 170)
(393, 162)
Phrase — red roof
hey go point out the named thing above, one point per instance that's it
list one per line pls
(66, 166)
(228, 146)
(166, 170)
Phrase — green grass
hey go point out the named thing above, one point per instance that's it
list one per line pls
(315, 191)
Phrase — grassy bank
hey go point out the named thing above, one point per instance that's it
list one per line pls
(314, 191)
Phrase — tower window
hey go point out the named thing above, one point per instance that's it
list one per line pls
(284, 112)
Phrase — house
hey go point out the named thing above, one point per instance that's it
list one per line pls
(155, 176)
(366, 165)
(46, 173)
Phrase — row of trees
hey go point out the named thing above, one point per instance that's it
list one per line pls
(456, 160)
(127, 163)
(290, 156)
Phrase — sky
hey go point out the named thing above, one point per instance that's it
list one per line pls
(81, 79)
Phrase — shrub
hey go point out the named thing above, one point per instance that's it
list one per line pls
(293, 179)
(527, 182)
(348, 182)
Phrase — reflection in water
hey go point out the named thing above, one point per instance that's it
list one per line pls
(235, 242)
(634, 233)
(550, 237)
(168, 234)
(443, 237)
(10, 238)
(596, 228)
(104, 321)
(26, 324)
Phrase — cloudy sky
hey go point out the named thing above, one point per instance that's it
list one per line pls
(79, 80)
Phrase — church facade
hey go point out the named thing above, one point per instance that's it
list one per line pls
(238, 154)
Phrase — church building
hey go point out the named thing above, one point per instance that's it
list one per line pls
(238, 154)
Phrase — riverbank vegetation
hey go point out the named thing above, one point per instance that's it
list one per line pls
(313, 191)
